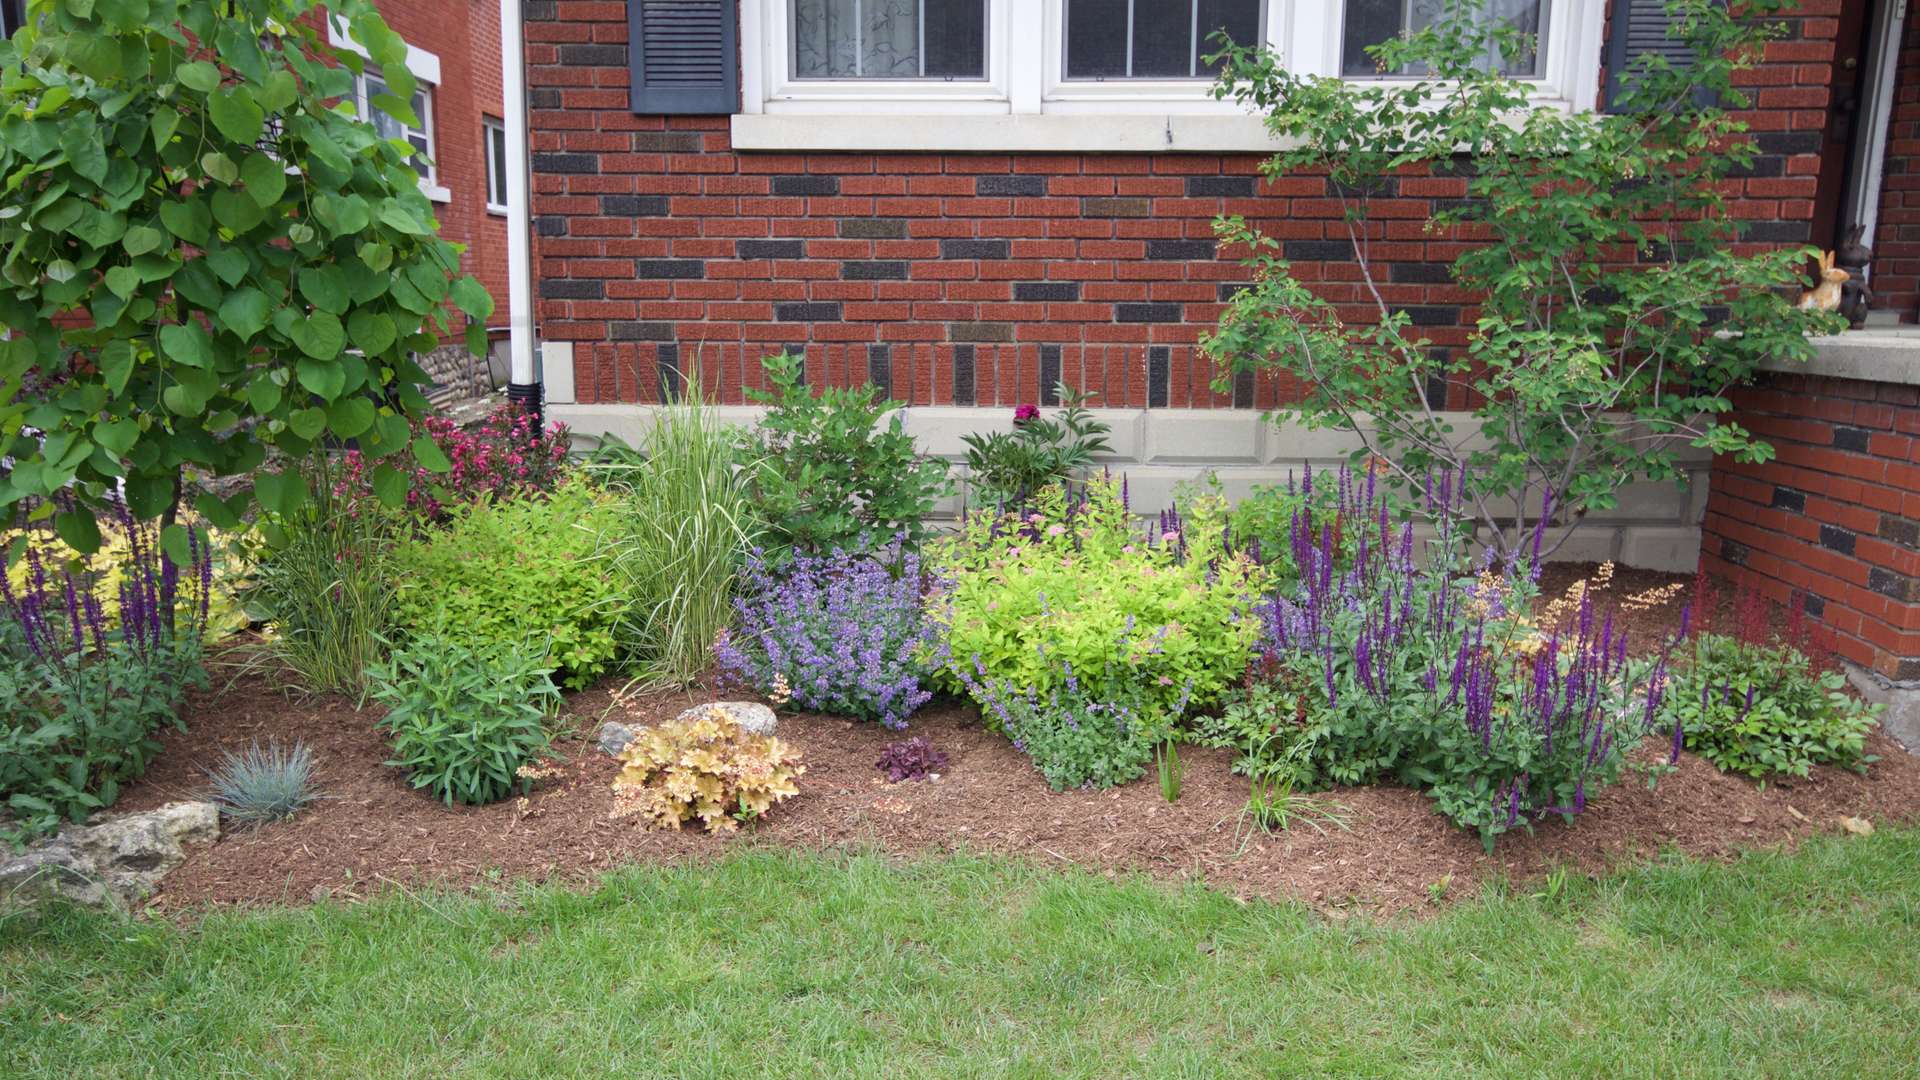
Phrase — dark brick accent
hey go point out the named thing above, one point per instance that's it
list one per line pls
(667, 366)
(1159, 376)
(1837, 539)
(594, 55)
(681, 269)
(1318, 250)
(550, 225)
(874, 270)
(634, 205)
(573, 288)
(963, 374)
(1459, 206)
(1436, 391)
(667, 142)
(1734, 551)
(640, 331)
(544, 98)
(1219, 187)
(1775, 232)
(1898, 586)
(566, 163)
(1432, 314)
(1243, 388)
(880, 368)
(973, 249)
(1046, 290)
(1181, 250)
(1229, 289)
(1109, 207)
(1159, 311)
(1814, 606)
(1766, 165)
(1785, 498)
(807, 311)
(1420, 273)
(873, 228)
(806, 185)
(1049, 374)
(1899, 530)
(539, 10)
(1784, 142)
(980, 331)
(1851, 438)
(770, 249)
(1010, 185)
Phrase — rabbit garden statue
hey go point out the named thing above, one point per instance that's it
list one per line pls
(1826, 295)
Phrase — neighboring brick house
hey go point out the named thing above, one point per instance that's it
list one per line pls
(965, 201)
(454, 51)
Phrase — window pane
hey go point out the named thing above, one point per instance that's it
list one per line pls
(1239, 18)
(1097, 39)
(1370, 22)
(497, 164)
(1152, 39)
(889, 39)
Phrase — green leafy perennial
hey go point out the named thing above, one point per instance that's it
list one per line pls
(207, 254)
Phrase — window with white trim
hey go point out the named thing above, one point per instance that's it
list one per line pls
(493, 135)
(886, 64)
(369, 85)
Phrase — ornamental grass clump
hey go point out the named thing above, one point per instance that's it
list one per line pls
(260, 785)
(1434, 672)
(845, 633)
(705, 767)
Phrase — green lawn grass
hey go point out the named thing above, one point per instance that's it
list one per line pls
(857, 965)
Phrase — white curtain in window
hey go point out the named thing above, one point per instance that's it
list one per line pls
(857, 39)
(1521, 15)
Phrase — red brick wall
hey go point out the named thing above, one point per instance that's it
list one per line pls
(1835, 516)
(1896, 240)
(973, 278)
(465, 35)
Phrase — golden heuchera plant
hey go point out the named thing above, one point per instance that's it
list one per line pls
(707, 767)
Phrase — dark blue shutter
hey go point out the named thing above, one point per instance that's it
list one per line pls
(1640, 27)
(685, 56)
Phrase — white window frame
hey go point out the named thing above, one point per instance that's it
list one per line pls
(1026, 103)
(425, 68)
(494, 161)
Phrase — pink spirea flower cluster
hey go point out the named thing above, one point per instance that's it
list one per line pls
(504, 454)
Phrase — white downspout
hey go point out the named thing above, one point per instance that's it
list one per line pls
(523, 382)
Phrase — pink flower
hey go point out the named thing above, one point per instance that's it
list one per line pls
(1024, 413)
(1056, 530)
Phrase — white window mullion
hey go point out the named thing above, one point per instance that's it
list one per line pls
(1022, 40)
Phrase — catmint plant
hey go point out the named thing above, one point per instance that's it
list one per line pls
(845, 633)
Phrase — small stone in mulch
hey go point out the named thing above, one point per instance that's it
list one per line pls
(756, 718)
(614, 737)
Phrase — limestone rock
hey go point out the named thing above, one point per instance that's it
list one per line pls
(117, 859)
(751, 715)
(614, 737)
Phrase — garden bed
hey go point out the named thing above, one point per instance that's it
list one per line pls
(373, 832)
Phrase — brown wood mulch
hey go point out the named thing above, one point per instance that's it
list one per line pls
(1390, 852)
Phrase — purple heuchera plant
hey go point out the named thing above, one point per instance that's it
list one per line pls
(911, 759)
(847, 632)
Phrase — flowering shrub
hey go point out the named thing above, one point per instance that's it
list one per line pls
(1005, 470)
(1425, 672)
(85, 683)
(707, 767)
(1079, 737)
(1072, 591)
(505, 454)
(911, 759)
(1765, 709)
(843, 633)
(480, 578)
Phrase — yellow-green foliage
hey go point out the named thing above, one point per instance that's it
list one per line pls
(524, 569)
(1077, 587)
(707, 767)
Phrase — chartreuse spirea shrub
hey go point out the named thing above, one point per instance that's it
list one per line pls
(208, 258)
(844, 633)
(705, 767)
(1765, 709)
(87, 677)
(1072, 599)
(1430, 673)
(522, 569)
(464, 717)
